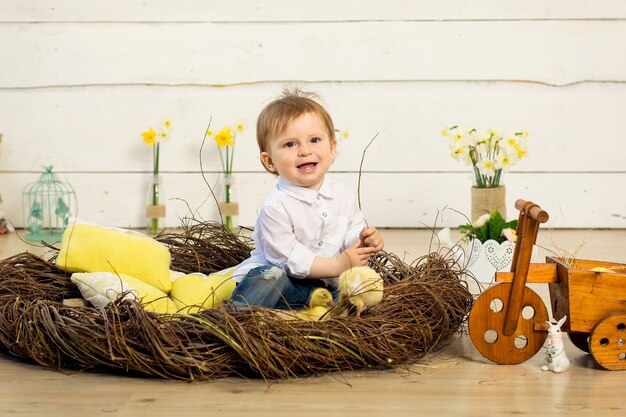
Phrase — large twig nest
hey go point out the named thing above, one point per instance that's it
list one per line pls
(423, 305)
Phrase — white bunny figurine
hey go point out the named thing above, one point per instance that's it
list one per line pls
(556, 359)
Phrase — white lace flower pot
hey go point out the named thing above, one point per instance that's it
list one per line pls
(485, 259)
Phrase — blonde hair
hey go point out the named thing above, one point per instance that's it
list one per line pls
(276, 116)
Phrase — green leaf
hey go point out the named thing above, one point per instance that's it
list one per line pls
(511, 225)
(482, 233)
(496, 225)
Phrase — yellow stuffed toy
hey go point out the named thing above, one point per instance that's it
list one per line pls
(91, 248)
(193, 293)
(107, 262)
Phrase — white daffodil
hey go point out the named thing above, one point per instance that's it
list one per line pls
(488, 151)
(503, 162)
(474, 135)
(456, 138)
(482, 148)
(486, 168)
(164, 131)
(459, 153)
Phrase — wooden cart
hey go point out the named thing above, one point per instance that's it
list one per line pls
(507, 322)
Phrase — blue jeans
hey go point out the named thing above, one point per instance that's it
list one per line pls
(269, 286)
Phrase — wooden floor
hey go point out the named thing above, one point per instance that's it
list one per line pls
(455, 382)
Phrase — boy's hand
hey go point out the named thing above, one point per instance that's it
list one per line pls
(357, 254)
(372, 239)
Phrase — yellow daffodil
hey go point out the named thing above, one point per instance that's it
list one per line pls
(225, 140)
(149, 137)
(341, 134)
(240, 127)
(224, 137)
(154, 138)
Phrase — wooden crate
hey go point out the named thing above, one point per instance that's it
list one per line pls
(585, 296)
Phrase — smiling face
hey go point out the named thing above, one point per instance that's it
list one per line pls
(302, 153)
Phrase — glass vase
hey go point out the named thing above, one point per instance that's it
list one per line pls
(155, 209)
(229, 203)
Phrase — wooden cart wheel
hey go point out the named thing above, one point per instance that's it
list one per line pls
(580, 340)
(486, 326)
(608, 342)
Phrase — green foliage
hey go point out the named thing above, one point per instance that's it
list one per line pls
(489, 229)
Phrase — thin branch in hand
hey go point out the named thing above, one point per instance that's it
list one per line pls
(217, 203)
(361, 169)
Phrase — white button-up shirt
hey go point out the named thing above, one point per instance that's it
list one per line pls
(296, 224)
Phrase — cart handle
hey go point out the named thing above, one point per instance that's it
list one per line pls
(535, 212)
(530, 216)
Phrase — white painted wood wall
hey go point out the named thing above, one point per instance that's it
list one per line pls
(80, 80)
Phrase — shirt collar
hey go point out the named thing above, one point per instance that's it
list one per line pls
(303, 193)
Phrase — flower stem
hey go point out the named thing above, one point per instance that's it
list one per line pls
(480, 182)
(496, 178)
(226, 169)
(155, 156)
(228, 221)
(154, 222)
(222, 159)
(232, 155)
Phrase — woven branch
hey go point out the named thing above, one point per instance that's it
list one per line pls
(423, 305)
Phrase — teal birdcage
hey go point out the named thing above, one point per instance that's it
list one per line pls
(48, 204)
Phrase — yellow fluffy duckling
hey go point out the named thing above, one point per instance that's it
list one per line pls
(362, 286)
(320, 302)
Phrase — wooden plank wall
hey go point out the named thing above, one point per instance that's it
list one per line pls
(79, 82)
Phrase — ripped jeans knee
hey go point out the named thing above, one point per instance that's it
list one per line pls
(263, 286)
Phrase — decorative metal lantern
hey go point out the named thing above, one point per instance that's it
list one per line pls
(48, 204)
